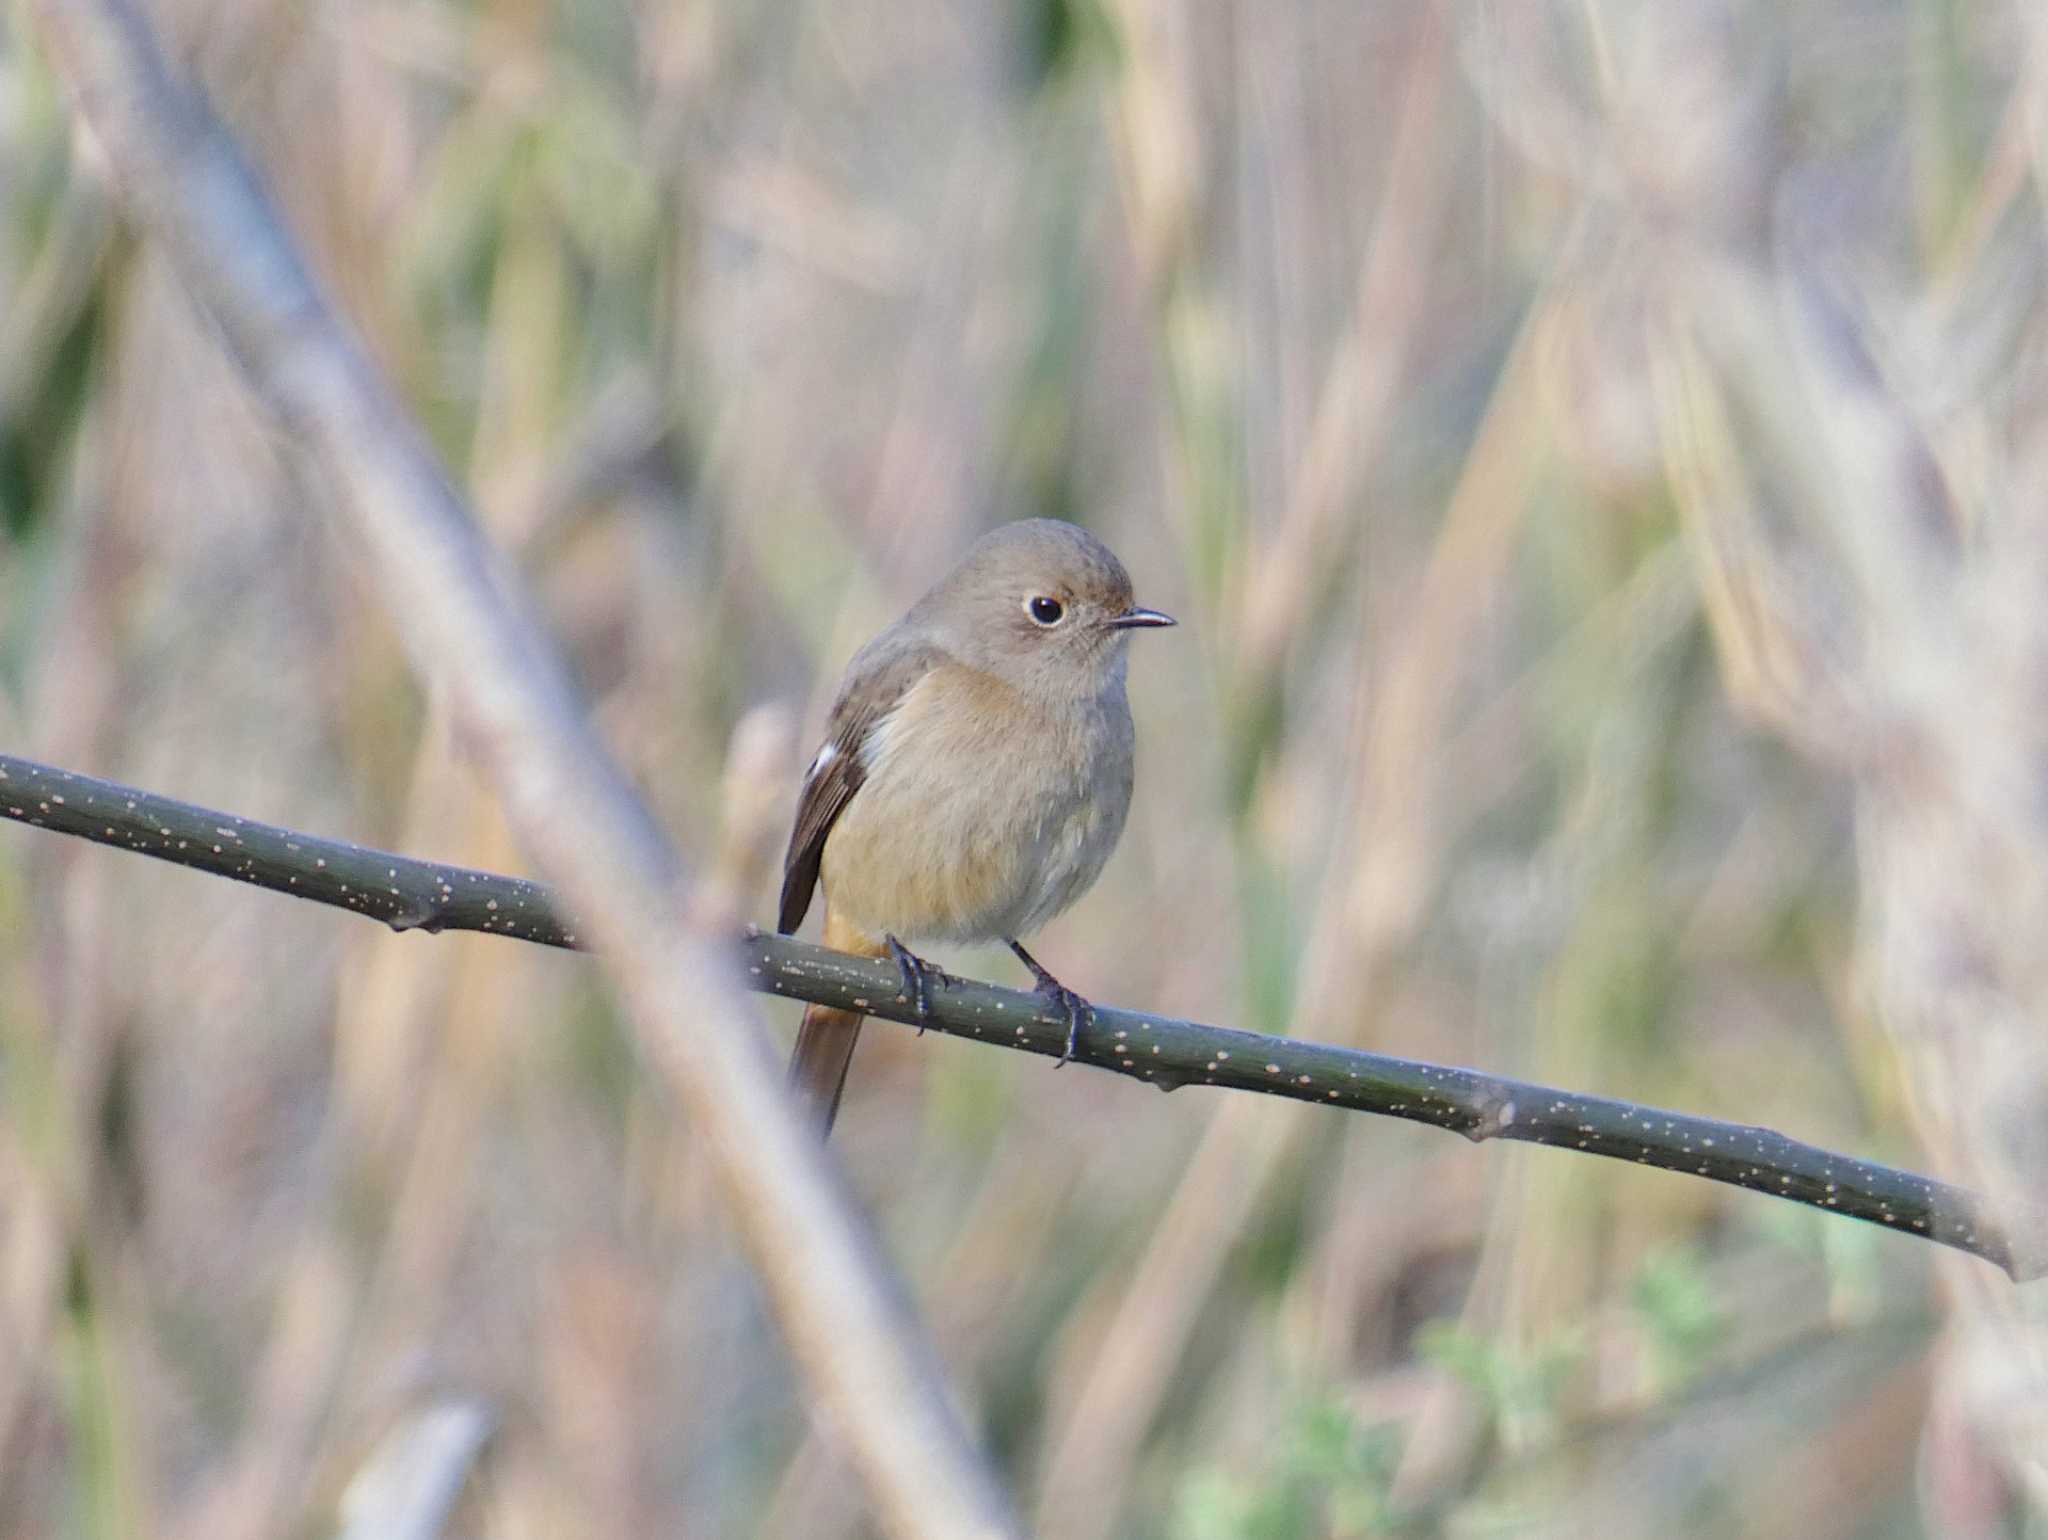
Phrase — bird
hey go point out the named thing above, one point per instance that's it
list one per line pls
(974, 778)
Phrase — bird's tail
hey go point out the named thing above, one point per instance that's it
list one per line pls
(817, 1067)
(826, 1040)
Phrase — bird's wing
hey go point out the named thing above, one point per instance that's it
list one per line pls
(874, 687)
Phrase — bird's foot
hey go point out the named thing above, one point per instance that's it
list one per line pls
(1070, 1005)
(918, 978)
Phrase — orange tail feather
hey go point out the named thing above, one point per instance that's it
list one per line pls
(824, 1049)
(827, 1038)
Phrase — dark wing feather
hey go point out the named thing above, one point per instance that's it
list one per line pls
(826, 792)
(880, 675)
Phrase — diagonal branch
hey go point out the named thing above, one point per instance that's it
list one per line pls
(408, 894)
(467, 628)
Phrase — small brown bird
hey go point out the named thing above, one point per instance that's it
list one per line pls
(975, 774)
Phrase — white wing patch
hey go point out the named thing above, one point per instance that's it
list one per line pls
(874, 748)
(825, 757)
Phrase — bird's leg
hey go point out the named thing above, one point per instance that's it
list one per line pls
(918, 977)
(1064, 1000)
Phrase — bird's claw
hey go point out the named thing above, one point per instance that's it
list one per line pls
(918, 977)
(1077, 1011)
(1063, 1000)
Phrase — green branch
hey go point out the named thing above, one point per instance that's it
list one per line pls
(408, 894)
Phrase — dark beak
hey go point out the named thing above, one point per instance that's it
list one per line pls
(1132, 620)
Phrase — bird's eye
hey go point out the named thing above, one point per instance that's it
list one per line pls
(1045, 610)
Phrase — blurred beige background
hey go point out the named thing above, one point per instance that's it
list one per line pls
(1596, 452)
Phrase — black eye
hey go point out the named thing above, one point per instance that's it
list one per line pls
(1046, 611)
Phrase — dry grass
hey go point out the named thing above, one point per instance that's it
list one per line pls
(1594, 451)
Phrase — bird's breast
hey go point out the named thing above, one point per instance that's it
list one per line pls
(983, 813)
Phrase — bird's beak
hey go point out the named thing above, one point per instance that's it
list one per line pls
(1132, 620)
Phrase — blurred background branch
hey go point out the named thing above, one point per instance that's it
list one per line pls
(467, 628)
(412, 1482)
